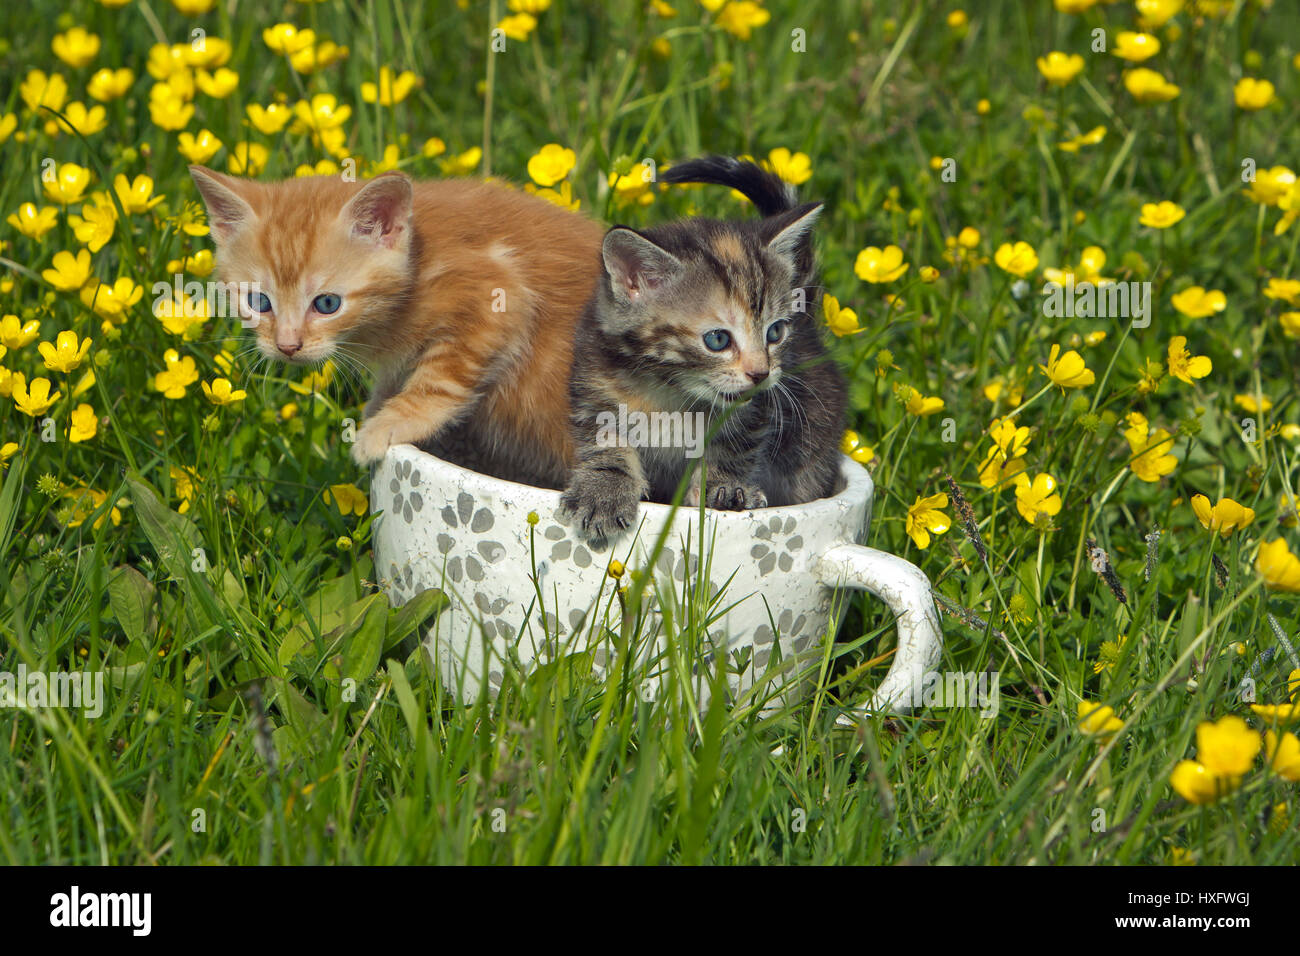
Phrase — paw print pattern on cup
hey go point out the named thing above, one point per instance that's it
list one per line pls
(775, 554)
(408, 501)
(470, 522)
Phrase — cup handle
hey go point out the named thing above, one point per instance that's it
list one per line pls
(906, 589)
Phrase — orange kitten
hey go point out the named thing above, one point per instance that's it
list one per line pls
(460, 297)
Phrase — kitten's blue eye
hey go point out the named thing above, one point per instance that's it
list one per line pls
(259, 302)
(717, 339)
(327, 303)
(776, 332)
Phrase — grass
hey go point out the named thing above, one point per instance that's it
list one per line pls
(225, 597)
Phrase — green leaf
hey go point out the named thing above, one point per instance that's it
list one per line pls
(130, 595)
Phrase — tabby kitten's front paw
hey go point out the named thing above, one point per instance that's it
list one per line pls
(601, 507)
(735, 496)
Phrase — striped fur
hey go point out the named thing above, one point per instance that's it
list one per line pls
(778, 406)
(460, 297)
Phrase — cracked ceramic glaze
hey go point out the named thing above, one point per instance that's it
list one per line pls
(444, 526)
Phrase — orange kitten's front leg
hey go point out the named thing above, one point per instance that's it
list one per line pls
(436, 393)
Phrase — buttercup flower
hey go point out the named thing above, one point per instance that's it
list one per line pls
(1271, 185)
(1153, 14)
(1283, 753)
(1090, 138)
(1286, 290)
(32, 222)
(68, 185)
(179, 374)
(110, 84)
(220, 392)
(1068, 370)
(83, 424)
(1161, 215)
(66, 354)
(39, 90)
(1279, 568)
(1060, 68)
(551, 164)
(794, 168)
(69, 272)
(1037, 497)
(739, 17)
(1148, 86)
(198, 147)
(110, 301)
(1152, 460)
(1135, 47)
(14, 333)
(1225, 517)
(1183, 364)
(390, 90)
(925, 518)
(1196, 303)
(518, 27)
(841, 321)
(1248, 403)
(75, 47)
(1228, 747)
(462, 164)
(877, 266)
(1097, 720)
(268, 120)
(1195, 784)
(95, 226)
(1019, 258)
(35, 399)
(349, 499)
(1252, 94)
(853, 446)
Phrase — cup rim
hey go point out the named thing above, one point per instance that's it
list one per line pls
(858, 489)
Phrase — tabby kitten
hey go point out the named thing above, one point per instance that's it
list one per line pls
(459, 296)
(707, 316)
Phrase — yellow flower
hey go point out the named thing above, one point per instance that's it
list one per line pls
(194, 8)
(1068, 370)
(739, 17)
(1283, 754)
(268, 120)
(1153, 14)
(1148, 86)
(85, 502)
(1287, 290)
(8, 123)
(1096, 720)
(1073, 6)
(1090, 138)
(998, 469)
(7, 451)
(40, 90)
(876, 265)
(1281, 715)
(34, 399)
(562, 197)
(1037, 497)
(15, 334)
(1059, 68)
(519, 26)
(324, 167)
(918, 404)
(349, 499)
(95, 226)
(83, 424)
(69, 272)
(136, 196)
(109, 84)
(66, 354)
(179, 374)
(85, 121)
(391, 90)
(1196, 303)
(69, 185)
(322, 112)
(1197, 785)
(929, 274)
(184, 481)
(168, 110)
(11, 382)
(1019, 258)
(841, 321)
(853, 446)
(76, 47)
(1279, 568)
(32, 222)
(551, 164)
(315, 381)
(1271, 185)
(1248, 403)
(247, 159)
(1185, 366)
(663, 10)
(111, 301)
(1151, 458)
(794, 168)
(1135, 47)
(463, 164)
(433, 147)
(183, 315)
(1225, 517)
(1227, 748)
(286, 39)
(1161, 215)
(198, 147)
(221, 393)
(1252, 94)
(217, 85)
(1290, 324)
(924, 518)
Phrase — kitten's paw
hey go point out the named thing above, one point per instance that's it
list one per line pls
(601, 509)
(372, 443)
(736, 496)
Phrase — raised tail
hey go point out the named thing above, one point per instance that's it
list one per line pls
(769, 193)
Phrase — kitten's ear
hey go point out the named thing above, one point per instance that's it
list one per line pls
(794, 232)
(636, 266)
(381, 211)
(228, 212)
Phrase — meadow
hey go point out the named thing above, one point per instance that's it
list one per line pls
(1105, 502)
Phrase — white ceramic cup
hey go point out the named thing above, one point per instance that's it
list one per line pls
(447, 527)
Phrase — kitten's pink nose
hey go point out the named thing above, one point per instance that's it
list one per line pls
(757, 377)
(290, 350)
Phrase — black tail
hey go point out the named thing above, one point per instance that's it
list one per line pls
(769, 193)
